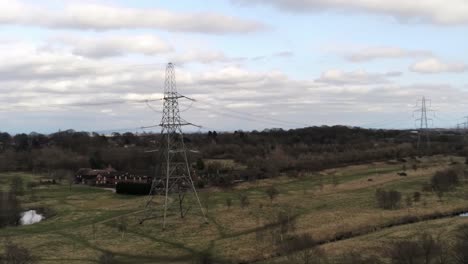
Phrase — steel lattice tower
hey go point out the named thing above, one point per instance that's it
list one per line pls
(173, 175)
(424, 127)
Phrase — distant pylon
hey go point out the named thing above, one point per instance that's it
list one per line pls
(465, 124)
(174, 175)
(424, 127)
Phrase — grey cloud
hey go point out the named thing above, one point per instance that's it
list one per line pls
(113, 46)
(107, 17)
(204, 57)
(434, 12)
(280, 54)
(284, 54)
(434, 66)
(374, 53)
(356, 77)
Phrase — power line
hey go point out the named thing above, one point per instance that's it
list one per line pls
(244, 118)
(256, 116)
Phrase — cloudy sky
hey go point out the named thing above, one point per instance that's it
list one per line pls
(250, 64)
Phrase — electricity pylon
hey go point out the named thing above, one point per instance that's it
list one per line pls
(465, 124)
(424, 127)
(173, 175)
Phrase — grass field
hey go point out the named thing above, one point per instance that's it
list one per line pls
(83, 223)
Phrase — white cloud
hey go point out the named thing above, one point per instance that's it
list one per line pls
(202, 56)
(423, 11)
(280, 54)
(106, 17)
(434, 65)
(374, 53)
(111, 46)
(362, 77)
(285, 53)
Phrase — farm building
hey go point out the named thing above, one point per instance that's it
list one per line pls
(107, 177)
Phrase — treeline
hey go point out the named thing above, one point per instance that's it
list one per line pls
(258, 154)
(71, 150)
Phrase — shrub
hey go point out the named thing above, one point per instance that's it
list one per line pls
(201, 183)
(200, 165)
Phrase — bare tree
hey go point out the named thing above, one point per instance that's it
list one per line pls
(460, 251)
(356, 258)
(303, 249)
(70, 177)
(93, 227)
(404, 252)
(430, 247)
(15, 254)
(31, 190)
(286, 224)
(10, 209)
(17, 186)
(335, 180)
(121, 226)
(204, 257)
(107, 258)
(244, 200)
(416, 197)
(228, 202)
(444, 181)
(206, 201)
(272, 192)
(409, 201)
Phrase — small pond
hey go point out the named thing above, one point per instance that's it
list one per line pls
(464, 215)
(31, 217)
